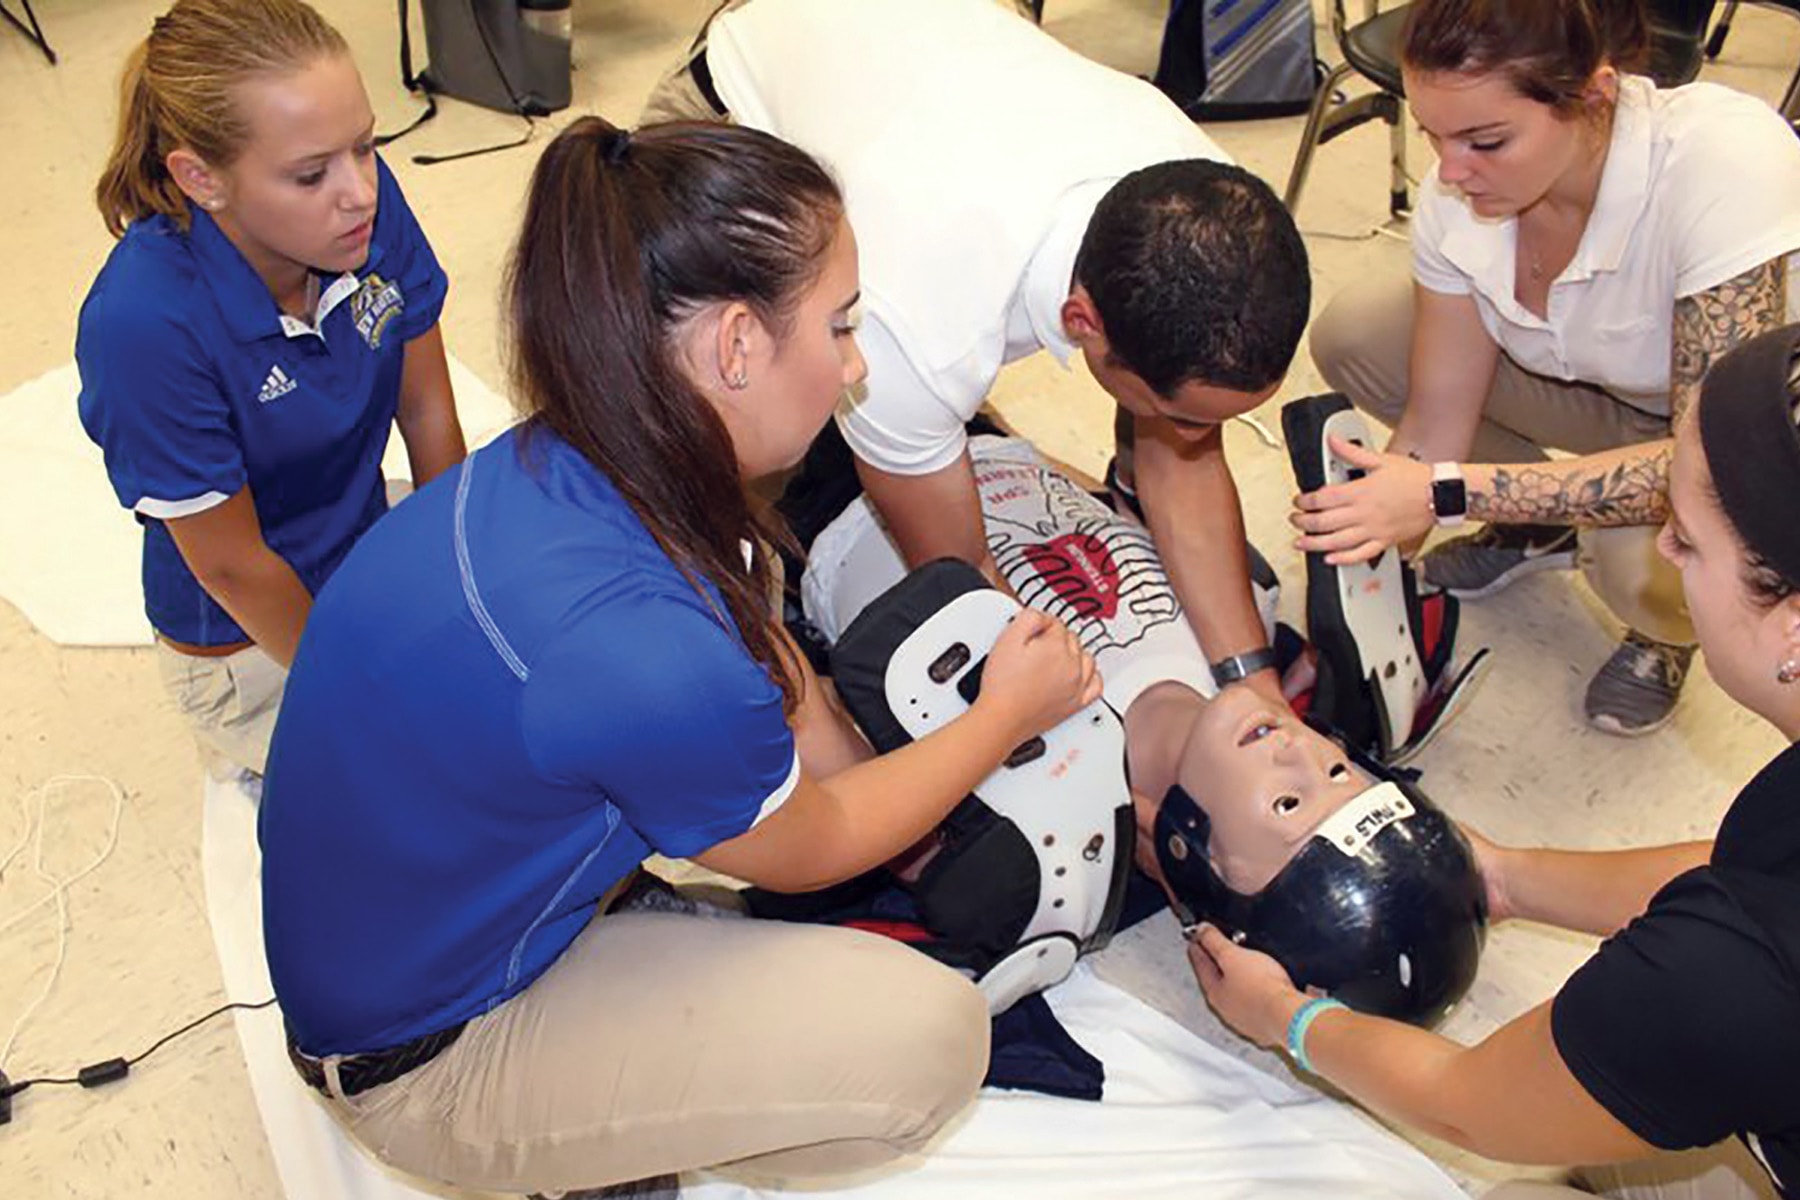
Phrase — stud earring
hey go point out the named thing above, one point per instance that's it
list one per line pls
(1789, 671)
(740, 381)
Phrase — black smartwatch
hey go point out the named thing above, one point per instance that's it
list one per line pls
(1449, 494)
(1241, 666)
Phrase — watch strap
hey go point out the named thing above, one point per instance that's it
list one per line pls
(1241, 666)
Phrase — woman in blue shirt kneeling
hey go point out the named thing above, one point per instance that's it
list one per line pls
(269, 314)
(560, 659)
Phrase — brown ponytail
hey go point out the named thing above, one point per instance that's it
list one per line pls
(625, 237)
(176, 92)
(1547, 49)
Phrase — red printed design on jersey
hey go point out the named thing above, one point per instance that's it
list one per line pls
(1080, 570)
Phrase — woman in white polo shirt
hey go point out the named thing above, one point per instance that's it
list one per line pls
(1587, 246)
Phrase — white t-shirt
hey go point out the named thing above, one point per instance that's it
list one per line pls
(1701, 184)
(1060, 550)
(972, 148)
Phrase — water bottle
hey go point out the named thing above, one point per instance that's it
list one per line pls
(546, 26)
(549, 18)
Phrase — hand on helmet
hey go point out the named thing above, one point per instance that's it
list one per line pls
(1249, 990)
(1491, 860)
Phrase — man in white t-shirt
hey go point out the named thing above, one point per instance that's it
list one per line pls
(1010, 196)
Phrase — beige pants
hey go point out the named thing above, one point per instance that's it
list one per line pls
(676, 97)
(230, 703)
(661, 1043)
(1361, 344)
(1722, 1172)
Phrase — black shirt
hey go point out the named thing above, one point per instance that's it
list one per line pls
(1685, 1025)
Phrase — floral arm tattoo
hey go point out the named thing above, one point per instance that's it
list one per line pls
(1630, 486)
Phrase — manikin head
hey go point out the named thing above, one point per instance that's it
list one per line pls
(1348, 877)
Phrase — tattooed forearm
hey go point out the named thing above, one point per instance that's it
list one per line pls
(1621, 488)
(1711, 323)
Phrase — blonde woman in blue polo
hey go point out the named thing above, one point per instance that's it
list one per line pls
(271, 310)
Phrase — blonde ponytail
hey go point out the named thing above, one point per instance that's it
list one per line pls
(177, 93)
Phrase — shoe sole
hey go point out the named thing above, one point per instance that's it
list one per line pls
(1562, 560)
(1609, 725)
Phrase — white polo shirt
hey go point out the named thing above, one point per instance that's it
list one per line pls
(1701, 184)
(972, 148)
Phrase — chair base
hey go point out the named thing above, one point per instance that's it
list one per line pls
(1323, 124)
(1790, 101)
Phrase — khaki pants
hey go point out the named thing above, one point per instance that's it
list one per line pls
(676, 97)
(230, 703)
(660, 1043)
(1722, 1172)
(1361, 344)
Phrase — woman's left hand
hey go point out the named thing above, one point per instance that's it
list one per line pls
(1249, 990)
(1355, 521)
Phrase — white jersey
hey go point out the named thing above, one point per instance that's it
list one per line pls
(1060, 549)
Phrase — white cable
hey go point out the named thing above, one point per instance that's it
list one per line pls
(34, 832)
(1261, 430)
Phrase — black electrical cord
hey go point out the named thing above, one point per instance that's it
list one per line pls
(521, 107)
(95, 1074)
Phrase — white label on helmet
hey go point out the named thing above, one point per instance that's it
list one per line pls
(1355, 825)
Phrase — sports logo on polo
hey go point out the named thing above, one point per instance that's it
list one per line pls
(277, 385)
(375, 303)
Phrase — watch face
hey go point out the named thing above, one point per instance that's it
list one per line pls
(1449, 497)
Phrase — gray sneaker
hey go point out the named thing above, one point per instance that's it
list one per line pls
(659, 1187)
(1481, 563)
(1635, 692)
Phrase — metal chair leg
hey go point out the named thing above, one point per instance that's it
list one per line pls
(1721, 31)
(1399, 196)
(32, 31)
(1309, 137)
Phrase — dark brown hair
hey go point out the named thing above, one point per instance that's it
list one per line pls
(625, 236)
(1768, 586)
(1547, 49)
(176, 93)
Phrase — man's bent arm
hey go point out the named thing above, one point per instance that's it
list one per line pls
(1197, 522)
(935, 515)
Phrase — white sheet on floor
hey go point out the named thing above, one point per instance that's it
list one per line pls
(313, 1156)
(71, 561)
(1181, 1120)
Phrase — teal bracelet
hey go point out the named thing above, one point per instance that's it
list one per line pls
(1302, 1021)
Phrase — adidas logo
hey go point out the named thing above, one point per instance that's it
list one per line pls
(275, 386)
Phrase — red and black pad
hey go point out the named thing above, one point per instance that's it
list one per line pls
(1386, 682)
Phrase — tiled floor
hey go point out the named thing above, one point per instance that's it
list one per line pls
(140, 959)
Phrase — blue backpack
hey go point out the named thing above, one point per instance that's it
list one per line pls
(1231, 60)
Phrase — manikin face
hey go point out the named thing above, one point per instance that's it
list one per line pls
(1265, 779)
(1503, 151)
(1744, 642)
(301, 193)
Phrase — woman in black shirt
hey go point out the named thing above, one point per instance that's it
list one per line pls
(1683, 1030)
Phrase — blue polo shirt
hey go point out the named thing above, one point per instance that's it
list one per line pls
(504, 700)
(195, 384)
